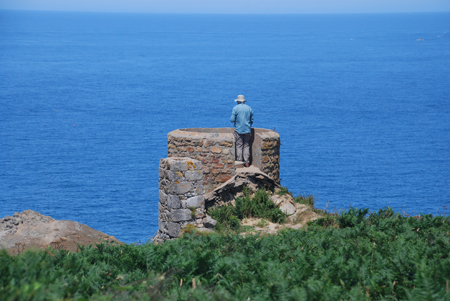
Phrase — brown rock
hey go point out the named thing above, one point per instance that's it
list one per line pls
(218, 165)
(223, 178)
(190, 149)
(215, 160)
(226, 143)
(216, 150)
(265, 159)
(181, 149)
(38, 231)
(206, 169)
(215, 171)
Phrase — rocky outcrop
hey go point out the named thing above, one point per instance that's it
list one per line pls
(251, 178)
(32, 230)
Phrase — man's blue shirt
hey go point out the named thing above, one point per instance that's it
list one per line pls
(242, 117)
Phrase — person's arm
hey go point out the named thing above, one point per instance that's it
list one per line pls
(251, 117)
(233, 116)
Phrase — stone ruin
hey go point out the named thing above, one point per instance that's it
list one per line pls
(201, 172)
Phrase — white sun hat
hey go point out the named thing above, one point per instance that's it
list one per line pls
(240, 98)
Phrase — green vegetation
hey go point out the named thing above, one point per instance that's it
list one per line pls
(229, 216)
(355, 255)
(262, 223)
(306, 200)
(301, 199)
(283, 191)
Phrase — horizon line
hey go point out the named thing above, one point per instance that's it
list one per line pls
(217, 13)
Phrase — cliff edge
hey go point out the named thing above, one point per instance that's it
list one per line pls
(32, 230)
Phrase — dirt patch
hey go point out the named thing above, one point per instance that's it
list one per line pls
(300, 218)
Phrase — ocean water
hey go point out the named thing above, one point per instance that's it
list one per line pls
(361, 101)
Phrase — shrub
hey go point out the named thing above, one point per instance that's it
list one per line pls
(306, 200)
(259, 206)
(283, 191)
(376, 256)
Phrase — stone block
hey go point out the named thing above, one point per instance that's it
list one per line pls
(194, 175)
(196, 201)
(190, 149)
(223, 178)
(173, 175)
(162, 197)
(194, 165)
(180, 187)
(179, 215)
(197, 187)
(218, 165)
(215, 160)
(209, 222)
(215, 171)
(206, 169)
(216, 150)
(173, 201)
(226, 143)
(174, 229)
(181, 148)
(178, 165)
(161, 225)
(288, 208)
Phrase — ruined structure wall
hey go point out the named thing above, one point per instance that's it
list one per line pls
(266, 152)
(214, 148)
(181, 199)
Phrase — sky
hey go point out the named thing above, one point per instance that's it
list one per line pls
(232, 6)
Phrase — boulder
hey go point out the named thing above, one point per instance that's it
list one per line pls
(32, 230)
(209, 222)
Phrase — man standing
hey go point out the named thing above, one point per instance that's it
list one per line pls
(242, 117)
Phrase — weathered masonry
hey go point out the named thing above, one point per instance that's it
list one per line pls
(200, 160)
(215, 148)
(180, 196)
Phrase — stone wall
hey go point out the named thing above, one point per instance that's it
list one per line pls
(215, 148)
(266, 152)
(181, 199)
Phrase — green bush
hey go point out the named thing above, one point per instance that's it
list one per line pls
(373, 256)
(260, 206)
(307, 200)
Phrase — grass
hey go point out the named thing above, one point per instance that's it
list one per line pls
(262, 223)
(356, 255)
(306, 200)
(229, 217)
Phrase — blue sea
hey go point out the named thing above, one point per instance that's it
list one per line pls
(361, 102)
